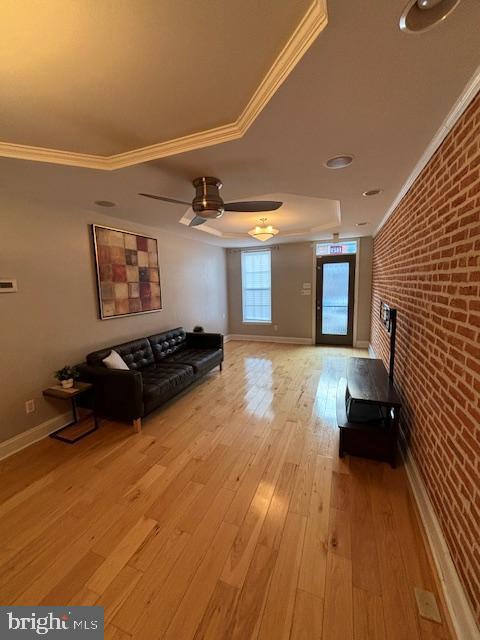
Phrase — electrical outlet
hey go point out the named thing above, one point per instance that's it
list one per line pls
(29, 406)
(275, 327)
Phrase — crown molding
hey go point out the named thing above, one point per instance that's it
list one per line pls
(311, 25)
(458, 109)
(54, 156)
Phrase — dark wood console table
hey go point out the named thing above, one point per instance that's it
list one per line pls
(368, 411)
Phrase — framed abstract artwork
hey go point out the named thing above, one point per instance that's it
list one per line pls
(128, 276)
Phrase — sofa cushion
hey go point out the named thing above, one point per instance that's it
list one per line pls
(164, 380)
(200, 359)
(167, 343)
(137, 354)
(115, 361)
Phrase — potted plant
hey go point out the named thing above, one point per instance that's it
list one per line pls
(66, 376)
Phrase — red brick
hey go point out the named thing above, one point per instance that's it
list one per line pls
(427, 264)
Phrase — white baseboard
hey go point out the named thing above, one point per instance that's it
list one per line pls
(25, 439)
(461, 614)
(362, 344)
(227, 338)
(285, 340)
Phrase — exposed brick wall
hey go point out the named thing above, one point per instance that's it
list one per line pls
(427, 264)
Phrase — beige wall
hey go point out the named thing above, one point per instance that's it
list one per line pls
(292, 313)
(53, 319)
(364, 292)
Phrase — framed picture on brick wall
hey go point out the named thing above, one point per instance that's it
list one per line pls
(128, 274)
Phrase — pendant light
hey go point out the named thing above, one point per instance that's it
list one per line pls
(263, 231)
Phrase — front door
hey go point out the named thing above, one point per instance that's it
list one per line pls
(335, 299)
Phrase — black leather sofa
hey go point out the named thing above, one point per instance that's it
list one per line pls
(160, 367)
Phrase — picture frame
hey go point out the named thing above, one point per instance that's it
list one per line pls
(127, 272)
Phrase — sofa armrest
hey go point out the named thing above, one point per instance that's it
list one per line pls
(116, 393)
(205, 340)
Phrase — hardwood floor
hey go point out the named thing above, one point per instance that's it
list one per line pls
(230, 516)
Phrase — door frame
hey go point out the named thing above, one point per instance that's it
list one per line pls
(349, 338)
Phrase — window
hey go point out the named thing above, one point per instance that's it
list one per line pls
(256, 286)
(336, 248)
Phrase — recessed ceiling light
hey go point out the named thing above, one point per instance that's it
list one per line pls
(421, 15)
(339, 162)
(361, 224)
(104, 203)
(372, 192)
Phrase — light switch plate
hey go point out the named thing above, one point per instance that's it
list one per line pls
(427, 605)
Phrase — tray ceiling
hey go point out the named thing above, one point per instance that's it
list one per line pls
(298, 217)
(364, 88)
(106, 85)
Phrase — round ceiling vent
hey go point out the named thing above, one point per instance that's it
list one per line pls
(371, 192)
(105, 203)
(339, 162)
(421, 15)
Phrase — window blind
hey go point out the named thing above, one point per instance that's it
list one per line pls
(256, 286)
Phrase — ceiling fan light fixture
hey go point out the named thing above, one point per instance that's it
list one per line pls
(210, 213)
(208, 204)
(339, 162)
(422, 15)
(263, 232)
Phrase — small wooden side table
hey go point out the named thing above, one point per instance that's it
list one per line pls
(71, 394)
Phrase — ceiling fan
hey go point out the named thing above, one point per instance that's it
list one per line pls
(208, 204)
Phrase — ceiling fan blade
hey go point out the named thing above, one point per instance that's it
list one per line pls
(253, 206)
(164, 199)
(196, 221)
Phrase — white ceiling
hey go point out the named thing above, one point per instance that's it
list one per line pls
(364, 88)
(104, 78)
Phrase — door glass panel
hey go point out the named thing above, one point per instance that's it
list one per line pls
(335, 298)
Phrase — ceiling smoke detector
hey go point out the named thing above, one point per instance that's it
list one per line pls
(339, 162)
(371, 192)
(421, 15)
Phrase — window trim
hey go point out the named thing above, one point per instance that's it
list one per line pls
(254, 322)
(340, 242)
